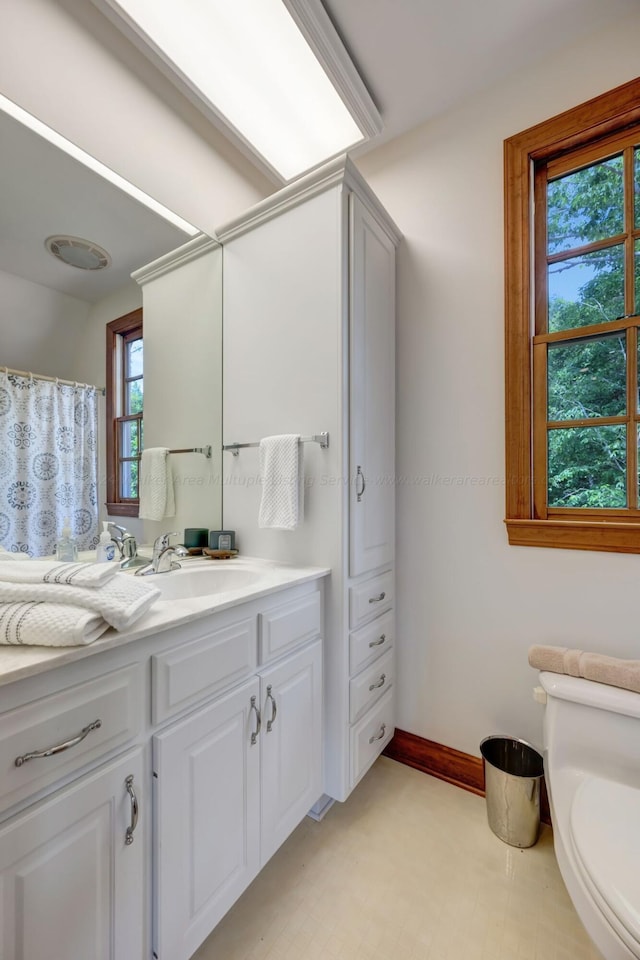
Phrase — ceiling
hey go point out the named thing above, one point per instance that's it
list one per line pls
(418, 58)
(44, 192)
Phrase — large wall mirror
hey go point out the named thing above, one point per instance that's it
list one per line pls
(52, 325)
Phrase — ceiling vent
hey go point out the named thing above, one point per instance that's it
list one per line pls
(78, 253)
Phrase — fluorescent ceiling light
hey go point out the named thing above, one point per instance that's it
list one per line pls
(47, 133)
(248, 60)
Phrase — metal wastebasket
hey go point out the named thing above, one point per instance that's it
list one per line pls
(512, 774)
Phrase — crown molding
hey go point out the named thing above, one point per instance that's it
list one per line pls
(316, 26)
(339, 171)
(189, 251)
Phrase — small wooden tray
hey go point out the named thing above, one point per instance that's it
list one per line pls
(219, 554)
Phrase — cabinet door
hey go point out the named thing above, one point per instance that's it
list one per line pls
(206, 775)
(372, 393)
(291, 697)
(70, 886)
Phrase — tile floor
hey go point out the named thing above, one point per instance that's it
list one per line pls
(406, 869)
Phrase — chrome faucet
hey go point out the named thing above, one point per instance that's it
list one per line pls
(163, 554)
(127, 548)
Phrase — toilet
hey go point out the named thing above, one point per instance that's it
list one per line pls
(592, 771)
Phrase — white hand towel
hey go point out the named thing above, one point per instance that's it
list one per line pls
(157, 499)
(282, 479)
(52, 571)
(34, 623)
(121, 601)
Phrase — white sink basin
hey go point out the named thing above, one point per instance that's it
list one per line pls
(203, 581)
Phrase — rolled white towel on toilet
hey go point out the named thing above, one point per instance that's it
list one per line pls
(590, 666)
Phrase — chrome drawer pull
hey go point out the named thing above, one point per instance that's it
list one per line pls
(383, 730)
(254, 735)
(377, 599)
(274, 709)
(134, 810)
(59, 747)
(381, 639)
(360, 493)
(378, 683)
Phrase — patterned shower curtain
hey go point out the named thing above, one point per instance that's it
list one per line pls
(48, 464)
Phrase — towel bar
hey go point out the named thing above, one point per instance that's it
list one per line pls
(321, 438)
(205, 451)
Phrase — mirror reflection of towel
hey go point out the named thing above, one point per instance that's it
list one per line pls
(281, 473)
(157, 499)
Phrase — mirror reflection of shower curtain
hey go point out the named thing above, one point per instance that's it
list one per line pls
(48, 464)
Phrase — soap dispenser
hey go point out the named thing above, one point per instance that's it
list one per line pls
(106, 549)
(66, 547)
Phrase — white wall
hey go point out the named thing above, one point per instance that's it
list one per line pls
(469, 605)
(39, 327)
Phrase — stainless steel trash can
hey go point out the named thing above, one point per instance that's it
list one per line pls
(512, 774)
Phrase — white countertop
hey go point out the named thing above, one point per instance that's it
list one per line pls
(18, 662)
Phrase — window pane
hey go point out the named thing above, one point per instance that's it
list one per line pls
(636, 264)
(129, 438)
(587, 289)
(588, 467)
(129, 480)
(636, 157)
(133, 359)
(134, 396)
(585, 206)
(587, 378)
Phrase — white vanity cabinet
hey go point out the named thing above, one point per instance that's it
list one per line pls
(235, 776)
(72, 885)
(182, 760)
(309, 346)
(72, 854)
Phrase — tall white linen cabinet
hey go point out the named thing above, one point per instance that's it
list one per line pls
(309, 338)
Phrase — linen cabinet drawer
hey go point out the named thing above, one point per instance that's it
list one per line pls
(288, 625)
(50, 738)
(371, 598)
(370, 735)
(370, 685)
(369, 642)
(198, 668)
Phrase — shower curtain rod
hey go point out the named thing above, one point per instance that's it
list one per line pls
(41, 376)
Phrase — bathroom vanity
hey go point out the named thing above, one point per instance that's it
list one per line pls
(148, 777)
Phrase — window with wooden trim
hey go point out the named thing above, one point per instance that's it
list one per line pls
(572, 191)
(125, 393)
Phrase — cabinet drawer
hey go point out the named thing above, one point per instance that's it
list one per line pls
(116, 700)
(370, 685)
(370, 642)
(286, 626)
(370, 736)
(194, 670)
(371, 598)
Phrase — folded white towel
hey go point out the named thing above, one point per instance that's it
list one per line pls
(281, 506)
(121, 601)
(34, 623)
(52, 571)
(157, 499)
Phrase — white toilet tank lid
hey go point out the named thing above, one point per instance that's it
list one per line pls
(605, 828)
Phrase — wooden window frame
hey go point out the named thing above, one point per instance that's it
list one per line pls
(592, 121)
(126, 328)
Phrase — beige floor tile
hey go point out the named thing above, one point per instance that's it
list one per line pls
(406, 869)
